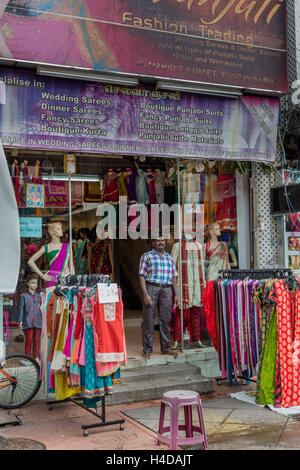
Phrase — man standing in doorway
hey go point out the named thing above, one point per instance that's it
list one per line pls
(158, 283)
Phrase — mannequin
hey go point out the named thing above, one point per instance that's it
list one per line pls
(31, 317)
(193, 285)
(82, 251)
(217, 253)
(57, 254)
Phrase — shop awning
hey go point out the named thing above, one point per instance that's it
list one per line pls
(9, 231)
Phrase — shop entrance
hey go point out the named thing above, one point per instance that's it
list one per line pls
(209, 185)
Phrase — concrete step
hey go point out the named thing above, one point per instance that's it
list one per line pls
(152, 382)
(142, 374)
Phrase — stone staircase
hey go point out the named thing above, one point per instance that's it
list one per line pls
(150, 382)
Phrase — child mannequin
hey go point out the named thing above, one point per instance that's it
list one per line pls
(31, 317)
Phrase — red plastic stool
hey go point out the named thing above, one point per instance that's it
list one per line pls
(175, 399)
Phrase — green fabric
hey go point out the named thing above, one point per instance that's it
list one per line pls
(265, 391)
(50, 254)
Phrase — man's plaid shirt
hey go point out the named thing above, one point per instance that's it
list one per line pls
(157, 268)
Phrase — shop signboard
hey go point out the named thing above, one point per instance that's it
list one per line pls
(228, 42)
(77, 116)
(31, 227)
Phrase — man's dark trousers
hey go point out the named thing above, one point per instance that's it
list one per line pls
(161, 299)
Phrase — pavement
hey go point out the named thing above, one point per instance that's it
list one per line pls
(230, 425)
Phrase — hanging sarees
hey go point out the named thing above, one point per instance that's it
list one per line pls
(287, 383)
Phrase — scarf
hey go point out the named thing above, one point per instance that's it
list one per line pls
(185, 279)
(109, 330)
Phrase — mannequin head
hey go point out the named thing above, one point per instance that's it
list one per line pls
(32, 283)
(214, 230)
(189, 236)
(55, 229)
(84, 233)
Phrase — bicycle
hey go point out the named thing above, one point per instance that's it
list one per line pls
(19, 380)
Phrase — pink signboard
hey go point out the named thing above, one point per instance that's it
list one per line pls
(227, 42)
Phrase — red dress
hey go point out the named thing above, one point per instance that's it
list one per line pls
(226, 209)
(287, 386)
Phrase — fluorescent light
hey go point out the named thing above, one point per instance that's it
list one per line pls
(191, 88)
(84, 178)
(89, 76)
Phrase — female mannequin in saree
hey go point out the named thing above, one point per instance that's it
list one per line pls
(57, 255)
(217, 253)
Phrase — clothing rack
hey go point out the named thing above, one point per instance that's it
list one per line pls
(85, 280)
(257, 274)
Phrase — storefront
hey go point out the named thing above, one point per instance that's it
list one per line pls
(133, 145)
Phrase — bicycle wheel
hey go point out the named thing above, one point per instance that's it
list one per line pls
(25, 371)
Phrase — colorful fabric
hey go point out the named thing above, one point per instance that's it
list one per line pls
(141, 187)
(226, 214)
(157, 268)
(58, 265)
(30, 313)
(100, 262)
(94, 387)
(288, 356)
(82, 258)
(209, 310)
(109, 331)
(195, 283)
(218, 260)
(110, 193)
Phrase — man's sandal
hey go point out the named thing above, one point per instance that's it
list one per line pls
(171, 353)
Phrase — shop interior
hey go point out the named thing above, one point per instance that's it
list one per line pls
(103, 178)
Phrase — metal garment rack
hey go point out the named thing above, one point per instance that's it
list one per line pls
(255, 274)
(76, 281)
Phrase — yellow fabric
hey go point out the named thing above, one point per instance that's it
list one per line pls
(62, 390)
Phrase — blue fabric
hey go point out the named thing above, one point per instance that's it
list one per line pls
(141, 187)
(30, 311)
(94, 387)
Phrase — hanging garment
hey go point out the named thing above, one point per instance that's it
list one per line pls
(287, 387)
(218, 259)
(109, 329)
(110, 192)
(226, 215)
(233, 323)
(141, 187)
(150, 181)
(159, 179)
(189, 184)
(92, 192)
(130, 185)
(193, 278)
(100, 262)
(265, 389)
(121, 184)
(209, 309)
(210, 199)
